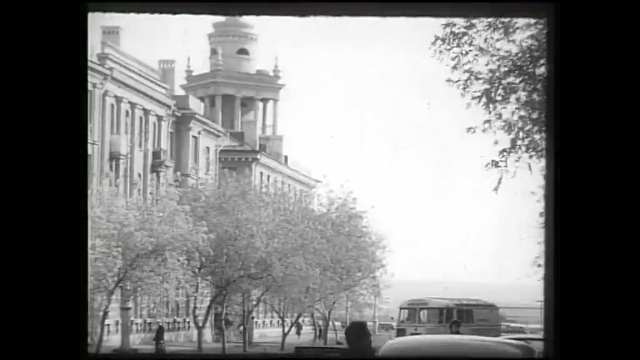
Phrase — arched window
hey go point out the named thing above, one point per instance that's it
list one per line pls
(140, 132)
(214, 52)
(113, 118)
(126, 123)
(243, 51)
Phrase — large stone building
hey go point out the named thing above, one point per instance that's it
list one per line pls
(139, 130)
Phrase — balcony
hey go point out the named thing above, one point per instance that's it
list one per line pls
(160, 161)
(118, 147)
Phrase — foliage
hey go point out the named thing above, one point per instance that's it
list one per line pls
(501, 65)
(129, 241)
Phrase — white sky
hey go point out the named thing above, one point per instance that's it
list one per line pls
(366, 105)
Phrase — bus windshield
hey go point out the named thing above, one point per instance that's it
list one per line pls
(408, 315)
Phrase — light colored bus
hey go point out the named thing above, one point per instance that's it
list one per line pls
(432, 315)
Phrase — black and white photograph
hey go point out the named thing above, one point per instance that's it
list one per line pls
(326, 186)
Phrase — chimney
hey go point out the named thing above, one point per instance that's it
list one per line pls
(168, 74)
(111, 34)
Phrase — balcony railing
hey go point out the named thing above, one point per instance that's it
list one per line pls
(118, 147)
(160, 160)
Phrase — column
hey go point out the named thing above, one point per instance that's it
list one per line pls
(237, 114)
(136, 110)
(218, 113)
(275, 117)
(107, 98)
(265, 102)
(121, 107)
(146, 170)
(95, 132)
(207, 107)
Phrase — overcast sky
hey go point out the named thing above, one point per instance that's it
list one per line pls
(365, 104)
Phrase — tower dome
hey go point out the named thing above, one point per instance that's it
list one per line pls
(234, 42)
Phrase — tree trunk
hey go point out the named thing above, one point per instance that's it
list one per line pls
(335, 330)
(315, 325)
(224, 328)
(103, 319)
(347, 310)
(325, 332)
(245, 331)
(285, 331)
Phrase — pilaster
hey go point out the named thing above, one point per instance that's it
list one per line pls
(146, 170)
(136, 110)
(107, 98)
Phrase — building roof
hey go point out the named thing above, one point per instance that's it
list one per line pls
(436, 301)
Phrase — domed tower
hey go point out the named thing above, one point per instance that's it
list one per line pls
(233, 46)
(236, 96)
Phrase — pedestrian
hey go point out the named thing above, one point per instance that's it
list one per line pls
(298, 329)
(454, 327)
(159, 340)
(358, 339)
(320, 332)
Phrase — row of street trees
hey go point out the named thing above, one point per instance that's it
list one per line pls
(230, 243)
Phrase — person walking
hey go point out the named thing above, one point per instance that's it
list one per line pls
(454, 327)
(298, 329)
(159, 340)
(320, 332)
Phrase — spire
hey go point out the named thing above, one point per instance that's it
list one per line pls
(189, 72)
(218, 62)
(276, 70)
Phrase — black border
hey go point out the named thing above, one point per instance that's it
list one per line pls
(307, 9)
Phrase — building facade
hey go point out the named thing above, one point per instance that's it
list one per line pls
(140, 131)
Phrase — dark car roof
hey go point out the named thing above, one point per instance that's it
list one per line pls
(455, 346)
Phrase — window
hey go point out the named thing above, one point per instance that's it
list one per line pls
(194, 150)
(243, 51)
(113, 118)
(289, 188)
(449, 316)
(207, 151)
(407, 316)
(261, 180)
(155, 135)
(485, 315)
(126, 122)
(465, 316)
(90, 111)
(268, 181)
(214, 52)
(172, 147)
(431, 316)
(140, 131)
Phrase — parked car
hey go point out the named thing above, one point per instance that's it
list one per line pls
(533, 340)
(437, 346)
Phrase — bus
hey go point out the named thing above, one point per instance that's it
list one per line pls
(432, 315)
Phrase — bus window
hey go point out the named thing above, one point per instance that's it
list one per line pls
(431, 316)
(465, 316)
(449, 317)
(484, 315)
(408, 316)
